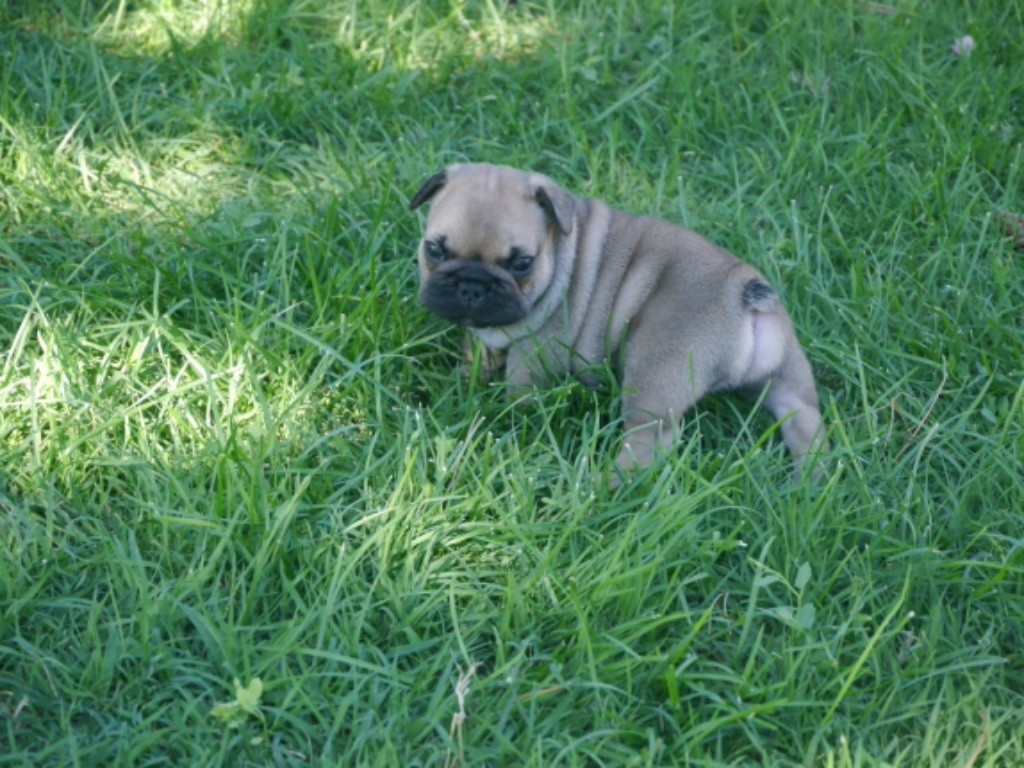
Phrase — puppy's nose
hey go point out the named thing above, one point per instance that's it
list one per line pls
(471, 293)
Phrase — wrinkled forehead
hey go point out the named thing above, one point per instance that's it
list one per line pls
(486, 213)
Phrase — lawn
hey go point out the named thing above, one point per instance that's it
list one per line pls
(251, 513)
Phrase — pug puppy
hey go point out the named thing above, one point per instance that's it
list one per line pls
(559, 284)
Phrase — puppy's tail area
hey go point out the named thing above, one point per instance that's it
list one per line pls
(758, 295)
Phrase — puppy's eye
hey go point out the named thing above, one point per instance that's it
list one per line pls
(521, 266)
(435, 251)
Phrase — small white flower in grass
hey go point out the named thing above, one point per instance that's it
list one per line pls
(455, 731)
(462, 688)
(963, 46)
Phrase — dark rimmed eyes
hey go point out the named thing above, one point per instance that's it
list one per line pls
(519, 264)
(435, 251)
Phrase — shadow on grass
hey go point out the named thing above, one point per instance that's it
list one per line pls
(186, 182)
(141, 137)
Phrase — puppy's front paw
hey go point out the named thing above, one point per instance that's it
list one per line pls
(488, 363)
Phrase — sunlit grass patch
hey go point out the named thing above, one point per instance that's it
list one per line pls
(162, 27)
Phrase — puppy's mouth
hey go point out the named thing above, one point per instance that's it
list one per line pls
(472, 295)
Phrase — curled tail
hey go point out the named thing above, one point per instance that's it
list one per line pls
(757, 294)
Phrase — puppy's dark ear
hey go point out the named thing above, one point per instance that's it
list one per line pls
(557, 205)
(429, 189)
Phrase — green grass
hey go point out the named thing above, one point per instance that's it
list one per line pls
(233, 446)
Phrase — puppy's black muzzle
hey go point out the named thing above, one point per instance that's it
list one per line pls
(471, 293)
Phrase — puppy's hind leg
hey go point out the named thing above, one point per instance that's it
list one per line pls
(774, 357)
(793, 400)
(656, 396)
(644, 439)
